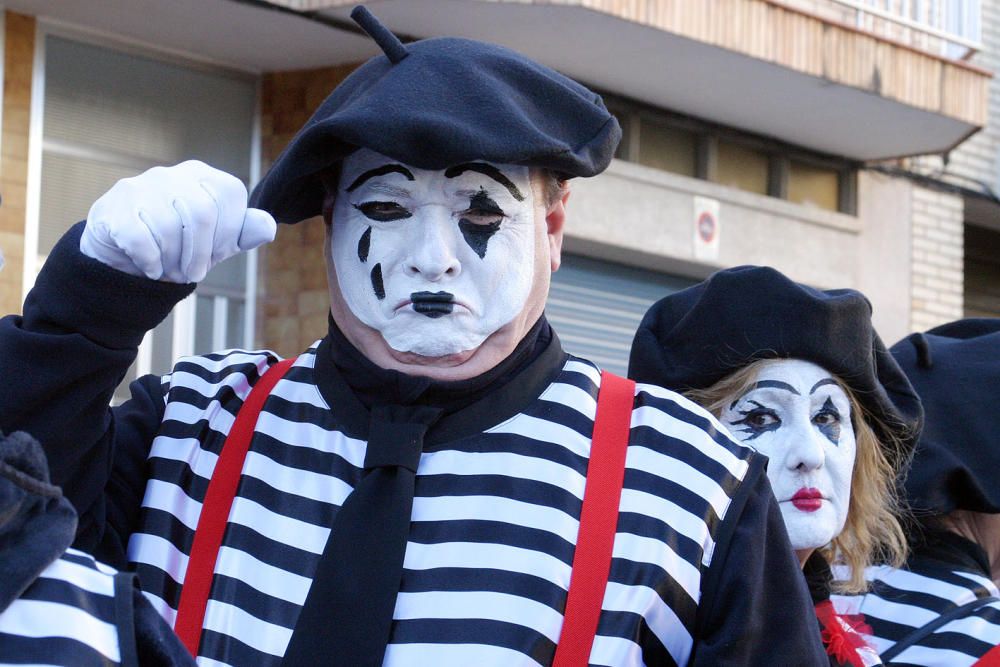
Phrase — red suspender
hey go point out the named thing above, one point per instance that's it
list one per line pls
(215, 510)
(991, 659)
(598, 521)
(591, 561)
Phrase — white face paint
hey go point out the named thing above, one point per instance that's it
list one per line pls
(800, 419)
(435, 261)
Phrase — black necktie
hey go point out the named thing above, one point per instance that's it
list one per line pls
(348, 611)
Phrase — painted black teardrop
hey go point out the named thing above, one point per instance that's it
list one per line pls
(478, 235)
(377, 282)
(433, 304)
(832, 429)
(364, 244)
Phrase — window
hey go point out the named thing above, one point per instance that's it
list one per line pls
(110, 115)
(667, 148)
(813, 185)
(691, 147)
(741, 167)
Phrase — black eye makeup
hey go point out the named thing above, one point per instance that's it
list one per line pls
(383, 211)
(481, 207)
(757, 421)
(828, 421)
(480, 221)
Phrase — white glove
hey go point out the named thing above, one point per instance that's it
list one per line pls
(174, 223)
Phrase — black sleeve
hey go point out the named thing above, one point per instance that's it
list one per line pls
(60, 363)
(755, 608)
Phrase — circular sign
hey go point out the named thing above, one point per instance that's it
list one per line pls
(707, 227)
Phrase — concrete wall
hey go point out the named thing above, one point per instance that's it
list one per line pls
(19, 56)
(641, 216)
(885, 250)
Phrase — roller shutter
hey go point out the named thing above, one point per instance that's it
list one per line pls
(596, 306)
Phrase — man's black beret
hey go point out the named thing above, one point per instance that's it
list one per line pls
(439, 102)
(955, 369)
(693, 338)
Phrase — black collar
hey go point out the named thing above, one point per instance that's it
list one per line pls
(939, 548)
(818, 577)
(351, 384)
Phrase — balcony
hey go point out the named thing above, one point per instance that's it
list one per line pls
(860, 79)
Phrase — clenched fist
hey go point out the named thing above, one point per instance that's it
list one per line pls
(174, 223)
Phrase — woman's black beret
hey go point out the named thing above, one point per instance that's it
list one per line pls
(439, 102)
(955, 369)
(693, 338)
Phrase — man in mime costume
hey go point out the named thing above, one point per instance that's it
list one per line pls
(413, 487)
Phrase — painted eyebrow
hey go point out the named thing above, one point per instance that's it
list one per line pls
(766, 384)
(486, 170)
(380, 171)
(821, 383)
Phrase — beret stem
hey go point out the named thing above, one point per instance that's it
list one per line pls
(388, 42)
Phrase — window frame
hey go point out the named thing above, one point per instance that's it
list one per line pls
(184, 320)
(779, 154)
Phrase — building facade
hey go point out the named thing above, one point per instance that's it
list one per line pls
(848, 143)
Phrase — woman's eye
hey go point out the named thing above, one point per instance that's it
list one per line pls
(826, 418)
(757, 420)
(383, 211)
(760, 419)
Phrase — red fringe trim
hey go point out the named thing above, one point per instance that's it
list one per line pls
(842, 639)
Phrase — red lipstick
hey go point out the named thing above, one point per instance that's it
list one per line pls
(807, 500)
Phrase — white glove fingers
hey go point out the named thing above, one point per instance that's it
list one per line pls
(230, 199)
(197, 230)
(173, 223)
(137, 242)
(259, 228)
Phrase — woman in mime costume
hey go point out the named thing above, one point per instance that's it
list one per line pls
(943, 607)
(800, 375)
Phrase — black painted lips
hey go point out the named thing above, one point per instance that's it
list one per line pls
(433, 304)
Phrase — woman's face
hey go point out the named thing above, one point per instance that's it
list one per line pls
(798, 416)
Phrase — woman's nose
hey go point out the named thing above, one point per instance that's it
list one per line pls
(806, 451)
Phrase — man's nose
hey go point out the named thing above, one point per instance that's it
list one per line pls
(431, 253)
(806, 451)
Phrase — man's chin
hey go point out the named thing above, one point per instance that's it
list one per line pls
(434, 361)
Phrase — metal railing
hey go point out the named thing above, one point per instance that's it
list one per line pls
(951, 28)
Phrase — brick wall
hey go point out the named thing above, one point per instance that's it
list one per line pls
(937, 277)
(19, 50)
(292, 294)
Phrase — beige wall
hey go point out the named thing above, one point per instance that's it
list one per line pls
(885, 251)
(292, 295)
(938, 248)
(19, 49)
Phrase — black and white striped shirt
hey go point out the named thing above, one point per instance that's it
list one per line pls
(65, 617)
(702, 571)
(901, 601)
(495, 519)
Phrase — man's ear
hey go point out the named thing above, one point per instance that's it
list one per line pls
(555, 218)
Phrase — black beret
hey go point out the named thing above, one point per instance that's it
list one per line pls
(440, 102)
(955, 369)
(693, 338)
